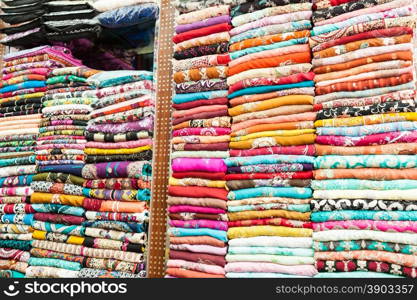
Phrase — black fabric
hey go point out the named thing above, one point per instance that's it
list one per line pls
(33, 39)
(145, 155)
(69, 7)
(23, 2)
(22, 27)
(22, 17)
(23, 9)
(71, 16)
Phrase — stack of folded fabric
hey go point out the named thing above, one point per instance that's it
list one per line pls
(364, 209)
(271, 150)
(60, 158)
(118, 174)
(70, 19)
(22, 88)
(23, 22)
(201, 135)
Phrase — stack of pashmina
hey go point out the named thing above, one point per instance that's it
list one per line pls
(271, 92)
(22, 88)
(200, 143)
(57, 185)
(23, 23)
(118, 174)
(365, 214)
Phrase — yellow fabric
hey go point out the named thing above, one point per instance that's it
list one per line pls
(39, 235)
(367, 120)
(272, 133)
(253, 231)
(197, 182)
(271, 103)
(304, 139)
(75, 240)
(271, 213)
(57, 199)
(97, 151)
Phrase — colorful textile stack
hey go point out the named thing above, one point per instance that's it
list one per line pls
(22, 88)
(118, 174)
(57, 185)
(271, 149)
(201, 135)
(366, 178)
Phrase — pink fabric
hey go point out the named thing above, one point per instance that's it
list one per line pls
(210, 131)
(370, 10)
(295, 78)
(198, 164)
(397, 226)
(196, 110)
(120, 145)
(219, 225)
(211, 269)
(195, 209)
(272, 20)
(38, 71)
(270, 53)
(60, 146)
(200, 249)
(373, 139)
(262, 267)
(308, 116)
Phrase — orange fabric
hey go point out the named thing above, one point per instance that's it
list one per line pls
(303, 139)
(271, 103)
(268, 39)
(399, 149)
(276, 126)
(364, 84)
(375, 42)
(366, 173)
(400, 55)
(183, 273)
(200, 74)
(269, 62)
(123, 207)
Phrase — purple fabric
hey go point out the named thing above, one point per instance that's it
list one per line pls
(201, 24)
(144, 124)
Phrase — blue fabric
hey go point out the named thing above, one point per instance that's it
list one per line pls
(26, 219)
(251, 50)
(23, 85)
(218, 234)
(270, 88)
(70, 169)
(268, 159)
(21, 180)
(344, 215)
(184, 98)
(59, 209)
(142, 15)
(288, 192)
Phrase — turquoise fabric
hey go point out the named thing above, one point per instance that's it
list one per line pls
(365, 161)
(344, 215)
(189, 97)
(358, 184)
(56, 263)
(218, 234)
(268, 159)
(290, 207)
(271, 250)
(270, 88)
(240, 53)
(289, 192)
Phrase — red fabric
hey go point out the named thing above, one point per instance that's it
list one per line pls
(209, 259)
(206, 147)
(202, 115)
(282, 175)
(188, 35)
(295, 78)
(288, 150)
(58, 218)
(395, 31)
(204, 175)
(197, 192)
(198, 103)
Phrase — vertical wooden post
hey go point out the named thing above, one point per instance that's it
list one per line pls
(161, 147)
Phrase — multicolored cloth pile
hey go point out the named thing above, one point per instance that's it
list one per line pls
(22, 89)
(58, 186)
(364, 208)
(271, 93)
(117, 176)
(201, 134)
